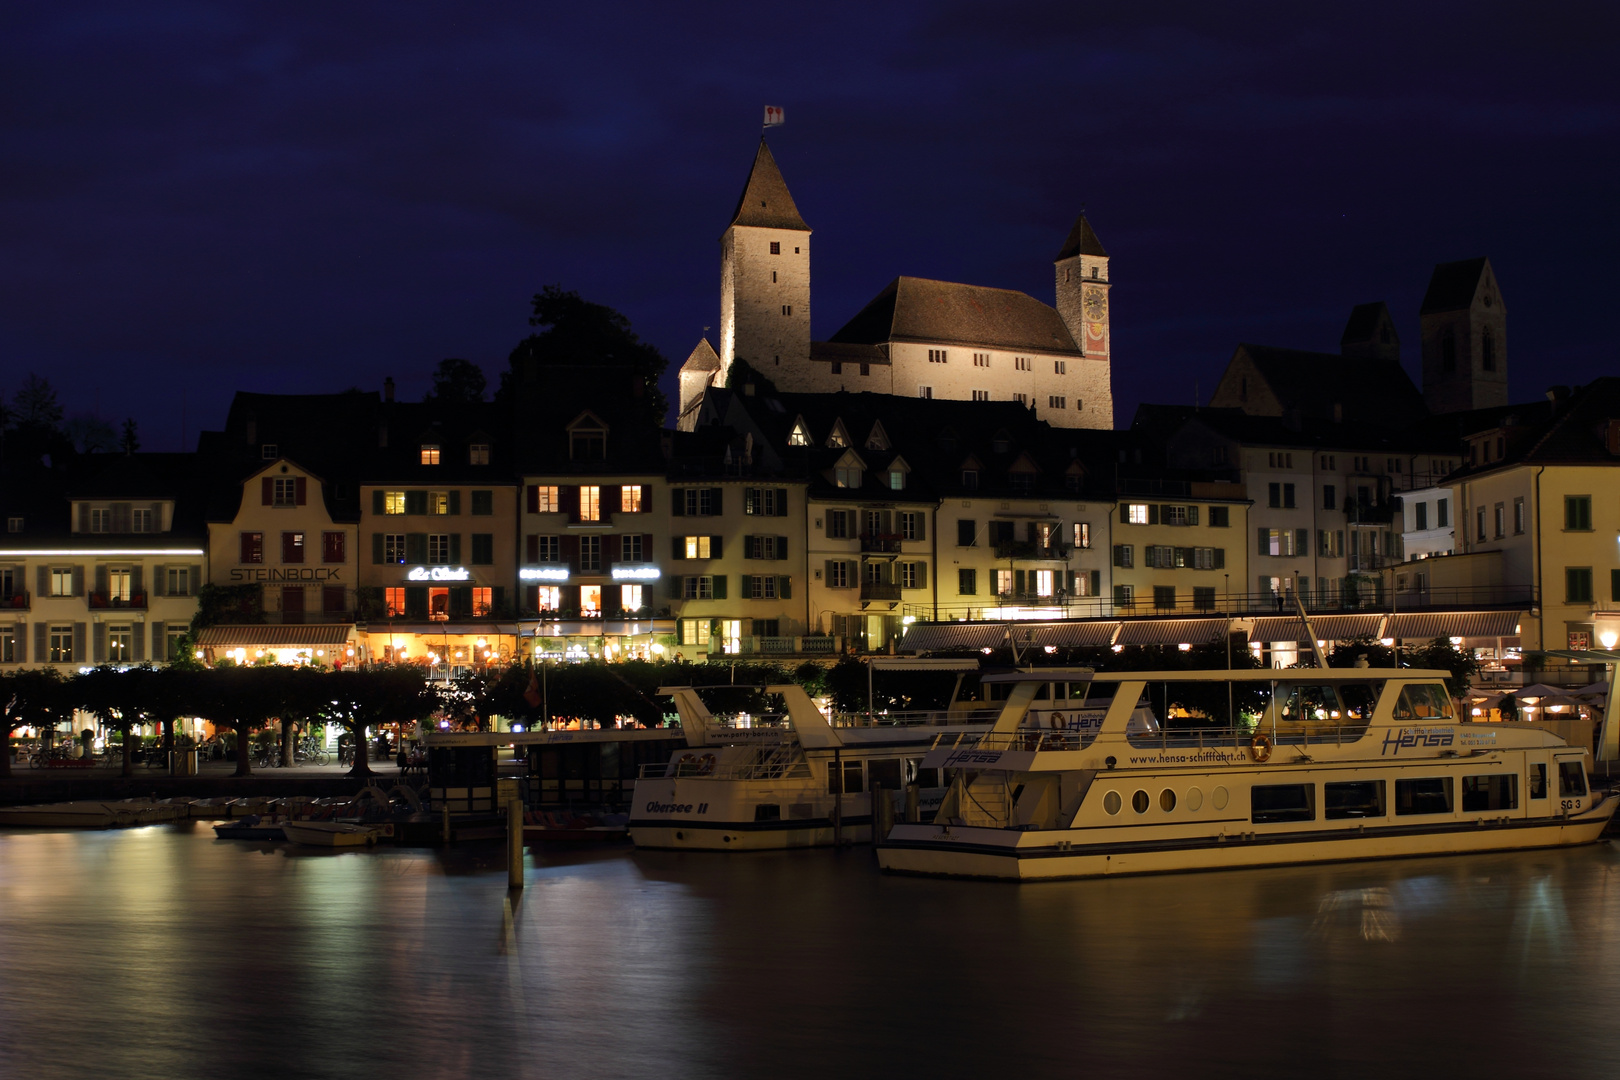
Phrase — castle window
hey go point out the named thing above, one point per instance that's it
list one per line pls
(773, 277)
(1093, 271)
(981, 359)
(866, 369)
(787, 309)
(936, 356)
(776, 247)
(837, 367)
(925, 391)
(1060, 367)
(981, 395)
(1057, 403)
(795, 251)
(1021, 363)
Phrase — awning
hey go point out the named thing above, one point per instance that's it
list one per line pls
(1449, 624)
(1327, 627)
(934, 637)
(439, 629)
(1070, 634)
(1173, 631)
(275, 637)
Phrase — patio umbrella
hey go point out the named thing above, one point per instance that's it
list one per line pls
(1596, 690)
(1539, 690)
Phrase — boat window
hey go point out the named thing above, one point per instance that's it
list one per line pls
(768, 812)
(1353, 799)
(1305, 702)
(1423, 701)
(852, 778)
(1167, 800)
(1282, 802)
(927, 777)
(1538, 780)
(1497, 791)
(1060, 691)
(1043, 692)
(1571, 778)
(1112, 802)
(884, 772)
(1427, 795)
(1359, 699)
(1139, 802)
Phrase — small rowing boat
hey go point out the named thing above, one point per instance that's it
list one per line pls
(334, 834)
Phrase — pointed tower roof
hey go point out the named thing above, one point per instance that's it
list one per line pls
(1082, 241)
(703, 358)
(765, 201)
(1453, 285)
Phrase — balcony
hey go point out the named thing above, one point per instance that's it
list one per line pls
(879, 591)
(100, 601)
(1360, 513)
(1031, 549)
(15, 601)
(885, 543)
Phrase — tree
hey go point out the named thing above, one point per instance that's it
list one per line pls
(35, 404)
(457, 382)
(111, 697)
(131, 440)
(384, 694)
(588, 337)
(240, 698)
(31, 697)
(91, 435)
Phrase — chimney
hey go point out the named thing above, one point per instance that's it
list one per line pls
(388, 388)
(1558, 395)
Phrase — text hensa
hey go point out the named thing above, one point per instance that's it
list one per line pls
(1417, 738)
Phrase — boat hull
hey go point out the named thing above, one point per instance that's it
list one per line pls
(329, 834)
(1010, 855)
(750, 836)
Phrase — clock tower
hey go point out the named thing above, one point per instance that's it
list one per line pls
(1083, 299)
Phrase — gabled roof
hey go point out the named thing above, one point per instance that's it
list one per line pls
(1575, 435)
(703, 358)
(1081, 241)
(765, 201)
(1364, 322)
(921, 310)
(1452, 285)
(1369, 391)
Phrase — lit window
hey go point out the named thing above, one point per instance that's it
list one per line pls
(697, 547)
(483, 599)
(799, 436)
(847, 477)
(630, 597)
(897, 480)
(590, 553)
(548, 597)
(1082, 534)
(1137, 514)
(478, 454)
(590, 503)
(630, 499)
(438, 502)
(61, 645)
(394, 599)
(119, 584)
(546, 499)
(430, 453)
(285, 491)
(393, 502)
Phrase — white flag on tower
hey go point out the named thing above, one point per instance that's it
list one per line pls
(773, 116)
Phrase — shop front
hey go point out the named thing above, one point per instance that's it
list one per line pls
(331, 645)
(597, 639)
(444, 648)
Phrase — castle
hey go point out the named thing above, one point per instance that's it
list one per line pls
(916, 338)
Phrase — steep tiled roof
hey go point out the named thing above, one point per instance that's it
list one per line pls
(1452, 285)
(703, 358)
(918, 309)
(1369, 391)
(1081, 241)
(765, 201)
(1577, 434)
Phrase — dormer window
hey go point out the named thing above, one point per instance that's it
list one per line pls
(14, 524)
(847, 476)
(1022, 481)
(897, 480)
(430, 453)
(587, 439)
(1001, 443)
(970, 479)
(478, 454)
(269, 451)
(799, 436)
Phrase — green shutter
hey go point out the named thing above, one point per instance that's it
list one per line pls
(455, 548)
(717, 494)
(1124, 513)
(378, 503)
(784, 588)
(1302, 541)
(1096, 582)
(748, 547)
(376, 549)
(1153, 513)
(416, 548)
(455, 502)
(719, 586)
(781, 502)
(673, 587)
(1192, 515)
(714, 547)
(1220, 558)
(1263, 536)
(781, 547)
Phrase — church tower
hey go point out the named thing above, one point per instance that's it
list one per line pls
(765, 276)
(1464, 330)
(1083, 302)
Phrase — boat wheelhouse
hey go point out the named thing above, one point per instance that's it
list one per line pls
(790, 776)
(1324, 764)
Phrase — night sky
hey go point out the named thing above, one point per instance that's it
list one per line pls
(302, 197)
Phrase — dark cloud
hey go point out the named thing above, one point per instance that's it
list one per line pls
(196, 198)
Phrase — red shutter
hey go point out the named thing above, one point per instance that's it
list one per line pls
(610, 549)
(646, 498)
(570, 552)
(531, 597)
(247, 548)
(532, 549)
(301, 491)
(612, 501)
(568, 503)
(534, 499)
(267, 489)
(646, 547)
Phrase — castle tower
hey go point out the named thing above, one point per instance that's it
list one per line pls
(1083, 302)
(1370, 334)
(697, 375)
(1464, 332)
(765, 276)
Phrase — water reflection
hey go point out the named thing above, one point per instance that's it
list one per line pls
(187, 956)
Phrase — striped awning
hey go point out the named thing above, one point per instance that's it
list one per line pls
(1173, 631)
(1068, 634)
(1427, 626)
(936, 637)
(1327, 627)
(277, 637)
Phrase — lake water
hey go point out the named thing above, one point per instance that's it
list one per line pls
(163, 952)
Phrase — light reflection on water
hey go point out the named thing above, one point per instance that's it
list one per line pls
(163, 952)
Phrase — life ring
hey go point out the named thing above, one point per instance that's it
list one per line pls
(1057, 721)
(705, 765)
(1260, 747)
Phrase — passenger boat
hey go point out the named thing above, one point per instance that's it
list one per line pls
(1336, 764)
(334, 834)
(789, 779)
(91, 814)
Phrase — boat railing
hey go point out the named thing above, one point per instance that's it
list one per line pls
(915, 718)
(704, 770)
(1315, 732)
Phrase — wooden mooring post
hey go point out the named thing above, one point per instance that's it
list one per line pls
(514, 844)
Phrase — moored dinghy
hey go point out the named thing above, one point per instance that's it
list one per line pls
(332, 834)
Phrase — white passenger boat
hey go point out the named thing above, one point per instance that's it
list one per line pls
(1339, 763)
(788, 779)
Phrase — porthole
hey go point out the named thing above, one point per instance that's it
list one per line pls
(1112, 802)
(1220, 798)
(1195, 798)
(1139, 802)
(1167, 800)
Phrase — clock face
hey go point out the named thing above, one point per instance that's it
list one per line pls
(1095, 304)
